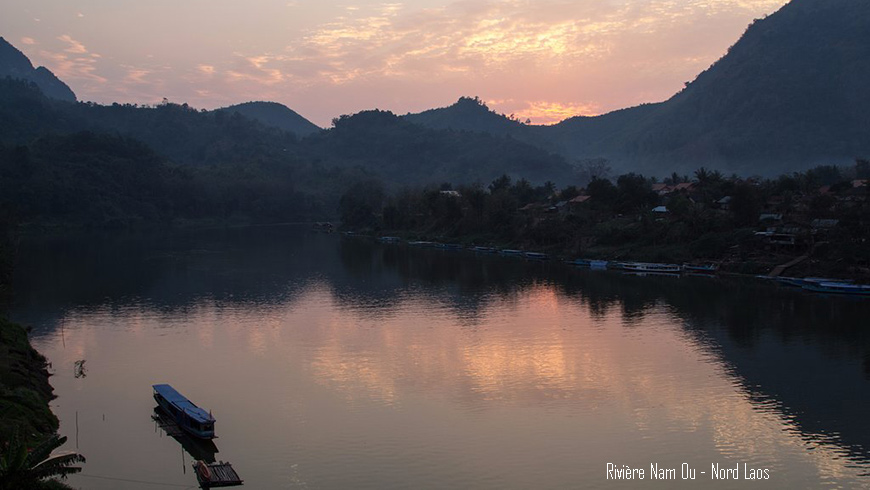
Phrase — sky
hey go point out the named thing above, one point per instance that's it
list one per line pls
(544, 60)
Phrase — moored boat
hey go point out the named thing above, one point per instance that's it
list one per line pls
(592, 264)
(184, 412)
(448, 246)
(483, 250)
(808, 281)
(839, 288)
(702, 268)
(511, 252)
(536, 256)
(651, 267)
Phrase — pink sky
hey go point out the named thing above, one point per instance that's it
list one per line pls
(540, 59)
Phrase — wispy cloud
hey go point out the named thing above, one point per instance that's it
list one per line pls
(74, 62)
(74, 46)
(28, 40)
(543, 59)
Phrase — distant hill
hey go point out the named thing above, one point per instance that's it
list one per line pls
(14, 64)
(467, 114)
(402, 152)
(275, 115)
(789, 95)
(376, 143)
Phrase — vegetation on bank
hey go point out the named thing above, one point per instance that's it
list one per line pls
(119, 165)
(28, 428)
(747, 225)
(24, 388)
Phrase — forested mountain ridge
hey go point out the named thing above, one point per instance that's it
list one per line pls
(787, 96)
(275, 115)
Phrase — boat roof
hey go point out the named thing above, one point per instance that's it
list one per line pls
(183, 404)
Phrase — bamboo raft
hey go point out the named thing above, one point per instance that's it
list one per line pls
(218, 474)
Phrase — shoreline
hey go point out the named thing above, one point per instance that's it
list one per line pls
(758, 267)
(25, 391)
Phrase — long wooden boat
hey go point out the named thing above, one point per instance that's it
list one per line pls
(483, 250)
(702, 268)
(592, 264)
(803, 282)
(839, 288)
(196, 421)
(651, 267)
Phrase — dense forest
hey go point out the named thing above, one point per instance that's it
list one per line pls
(121, 165)
(746, 224)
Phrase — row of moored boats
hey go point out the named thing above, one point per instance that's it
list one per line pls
(814, 284)
(826, 285)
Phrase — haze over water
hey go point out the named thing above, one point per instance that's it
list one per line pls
(340, 363)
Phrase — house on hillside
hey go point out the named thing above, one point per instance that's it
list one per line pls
(662, 189)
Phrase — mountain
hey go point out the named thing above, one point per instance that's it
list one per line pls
(467, 114)
(275, 115)
(14, 64)
(402, 152)
(789, 95)
(376, 143)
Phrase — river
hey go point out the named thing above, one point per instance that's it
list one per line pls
(332, 362)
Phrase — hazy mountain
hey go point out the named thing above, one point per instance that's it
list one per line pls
(790, 94)
(276, 115)
(467, 114)
(14, 64)
(402, 152)
(376, 143)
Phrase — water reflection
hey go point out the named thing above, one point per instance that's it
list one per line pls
(198, 449)
(459, 357)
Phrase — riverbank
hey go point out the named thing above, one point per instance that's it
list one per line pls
(25, 392)
(746, 258)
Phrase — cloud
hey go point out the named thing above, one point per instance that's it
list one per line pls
(547, 59)
(73, 67)
(74, 62)
(28, 40)
(136, 75)
(260, 69)
(545, 112)
(74, 46)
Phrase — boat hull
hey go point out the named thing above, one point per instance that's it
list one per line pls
(186, 415)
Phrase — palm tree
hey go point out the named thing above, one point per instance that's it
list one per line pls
(23, 469)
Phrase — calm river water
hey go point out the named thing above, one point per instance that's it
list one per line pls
(333, 362)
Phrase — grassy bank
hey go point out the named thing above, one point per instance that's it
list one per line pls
(24, 388)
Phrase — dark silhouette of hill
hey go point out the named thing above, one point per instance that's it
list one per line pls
(275, 115)
(787, 96)
(14, 64)
(376, 143)
(467, 114)
(402, 152)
